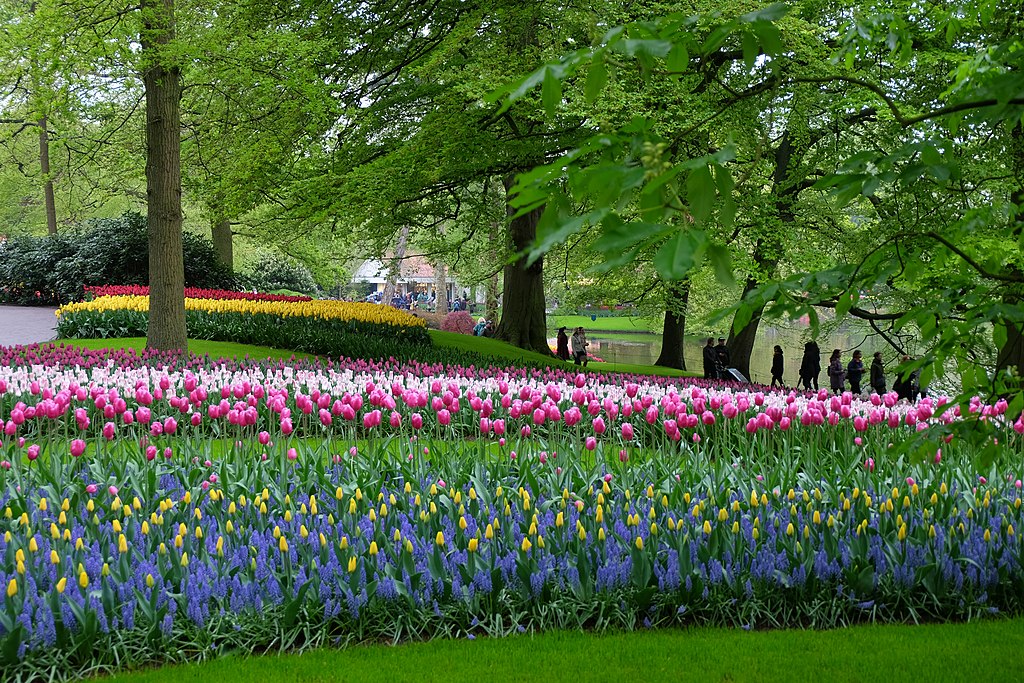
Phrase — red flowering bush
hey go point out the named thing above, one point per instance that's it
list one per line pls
(190, 293)
(458, 321)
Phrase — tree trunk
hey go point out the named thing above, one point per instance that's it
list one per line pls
(222, 241)
(768, 248)
(741, 344)
(1011, 354)
(395, 267)
(673, 335)
(162, 80)
(523, 321)
(44, 165)
(441, 287)
(493, 283)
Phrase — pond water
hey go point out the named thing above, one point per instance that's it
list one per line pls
(644, 349)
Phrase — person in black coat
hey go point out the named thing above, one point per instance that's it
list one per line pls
(562, 344)
(903, 385)
(877, 377)
(723, 358)
(778, 364)
(810, 366)
(710, 360)
(854, 371)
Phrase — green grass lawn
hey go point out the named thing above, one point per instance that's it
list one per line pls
(464, 342)
(987, 651)
(608, 324)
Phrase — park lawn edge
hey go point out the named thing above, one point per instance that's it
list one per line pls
(989, 650)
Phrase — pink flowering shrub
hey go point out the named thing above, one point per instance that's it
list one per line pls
(458, 321)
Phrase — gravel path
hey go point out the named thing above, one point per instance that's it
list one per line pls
(26, 325)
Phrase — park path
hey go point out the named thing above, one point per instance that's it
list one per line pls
(26, 325)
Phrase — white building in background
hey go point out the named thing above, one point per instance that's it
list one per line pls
(415, 275)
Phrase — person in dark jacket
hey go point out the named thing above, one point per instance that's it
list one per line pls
(836, 374)
(854, 371)
(903, 385)
(810, 366)
(562, 344)
(723, 358)
(877, 377)
(710, 360)
(778, 364)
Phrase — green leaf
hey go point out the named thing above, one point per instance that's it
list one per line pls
(597, 77)
(772, 12)
(678, 58)
(751, 49)
(626, 235)
(718, 256)
(636, 47)
(700, 193)
(678, 255)
(551, 93)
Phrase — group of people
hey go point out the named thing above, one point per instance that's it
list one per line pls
(716, 359)
(577, 342)
(907, 386)
(483, 328)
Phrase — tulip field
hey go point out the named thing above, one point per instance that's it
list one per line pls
(165, 507)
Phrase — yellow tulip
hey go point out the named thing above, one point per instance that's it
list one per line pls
(12, 588)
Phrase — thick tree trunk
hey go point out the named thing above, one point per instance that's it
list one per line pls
(395, 267)
(741, 344)
(223, 241)
(44, 165)
(523, 321)
(162, 80)
(673, 335)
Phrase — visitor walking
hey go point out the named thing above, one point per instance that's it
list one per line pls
(877, 376)
(562, 344)
(579, 347)
(723, 358)
(778, 364)
(710, 360)
(855, 371)
(836, 374)
(810, 366)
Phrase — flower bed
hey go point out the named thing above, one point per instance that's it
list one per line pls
(316, 326)
(191, 293)
(174, 507)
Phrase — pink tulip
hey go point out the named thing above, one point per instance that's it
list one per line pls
(91, 489)
(77, 448)
(112, 490)
(627, 431)
(150, 452)
(590, 443)
(869, 464)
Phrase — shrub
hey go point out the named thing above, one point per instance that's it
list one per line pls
(108, 251)
(273, 273)
(458, 321)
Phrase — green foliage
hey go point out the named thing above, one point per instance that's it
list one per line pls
(271, 273)
(915, 191)
(115, 251)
